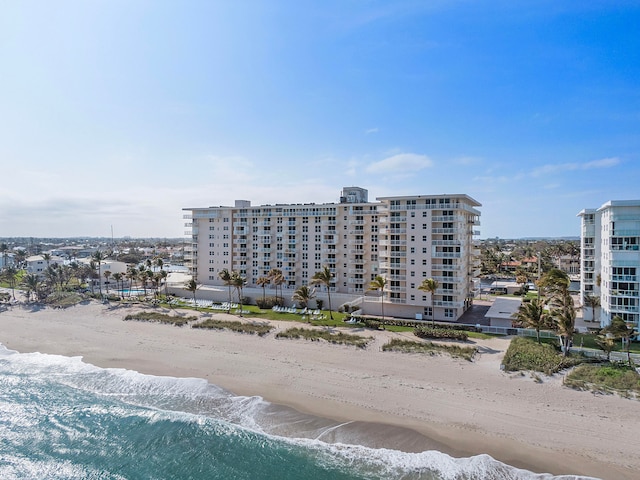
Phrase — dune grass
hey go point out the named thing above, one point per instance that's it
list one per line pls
(408, 346)
(260, 329)
(608, 378)
(331, 337)
(160, 318)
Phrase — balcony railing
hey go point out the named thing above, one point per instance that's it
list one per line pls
(440, 303)
(445, 255)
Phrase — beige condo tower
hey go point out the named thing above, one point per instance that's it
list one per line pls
(404, 239)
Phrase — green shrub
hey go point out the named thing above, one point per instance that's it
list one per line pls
(266, 303)
(399, 322)
(441, 333)
(370, 323)
(527, 354)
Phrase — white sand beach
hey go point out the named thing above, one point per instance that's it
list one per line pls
(466, 408)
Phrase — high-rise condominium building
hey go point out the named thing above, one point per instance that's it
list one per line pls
(404, 239)
(610, 258)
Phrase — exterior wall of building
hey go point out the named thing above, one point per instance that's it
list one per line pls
(611, 268)
(36, 264)
(404, 239)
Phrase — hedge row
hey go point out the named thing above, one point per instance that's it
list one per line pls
(377, 322)
(428, 332)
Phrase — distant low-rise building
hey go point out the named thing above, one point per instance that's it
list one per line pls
(37, 264)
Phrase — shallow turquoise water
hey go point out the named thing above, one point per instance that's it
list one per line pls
(61, 418)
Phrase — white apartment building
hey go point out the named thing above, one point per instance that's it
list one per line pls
(610, 257)
(405, 239)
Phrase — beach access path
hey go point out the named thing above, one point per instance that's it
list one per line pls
(459, 407)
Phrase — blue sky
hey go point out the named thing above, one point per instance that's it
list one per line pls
(122, 112)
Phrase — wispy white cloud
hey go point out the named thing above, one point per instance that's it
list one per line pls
(567, 167)
(369, 131)
(401, 163)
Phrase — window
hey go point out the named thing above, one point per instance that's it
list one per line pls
(449, 313)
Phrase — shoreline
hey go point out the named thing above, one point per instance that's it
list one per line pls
(408, 402)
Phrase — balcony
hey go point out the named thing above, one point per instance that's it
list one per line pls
(624, 308)
(392, 242)
(447, 291)
(397, 277)
(625, 293)
(397, 300)
(402, 288)
(440, 303)
(447, 279)
(448, 218)
(445, 255)
(448, 268)
(399, 266)
(357, 270)
(392, 231)
(446, 242)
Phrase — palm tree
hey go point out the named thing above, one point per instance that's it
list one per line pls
(118, 277)
(430, 285)
(619, 329)
(19, 257)
(132, 275)
(107, 274)
(163, 275)
(533, 315)
(238, 282)
(225, 276)
(47, 258)
(555, 281)
(591, 301)
(192, 286)
(156, 280)
(606, 342)
(564, 316)
(263, 282)
(378, 284)
(4, 250)
(159, 263)
(10, 274)
(304, 295)
(51, 274)
(32, 284)
(324, 277)
(277, 278)
(98, 257)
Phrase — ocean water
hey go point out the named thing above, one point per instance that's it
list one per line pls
(61, 418)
